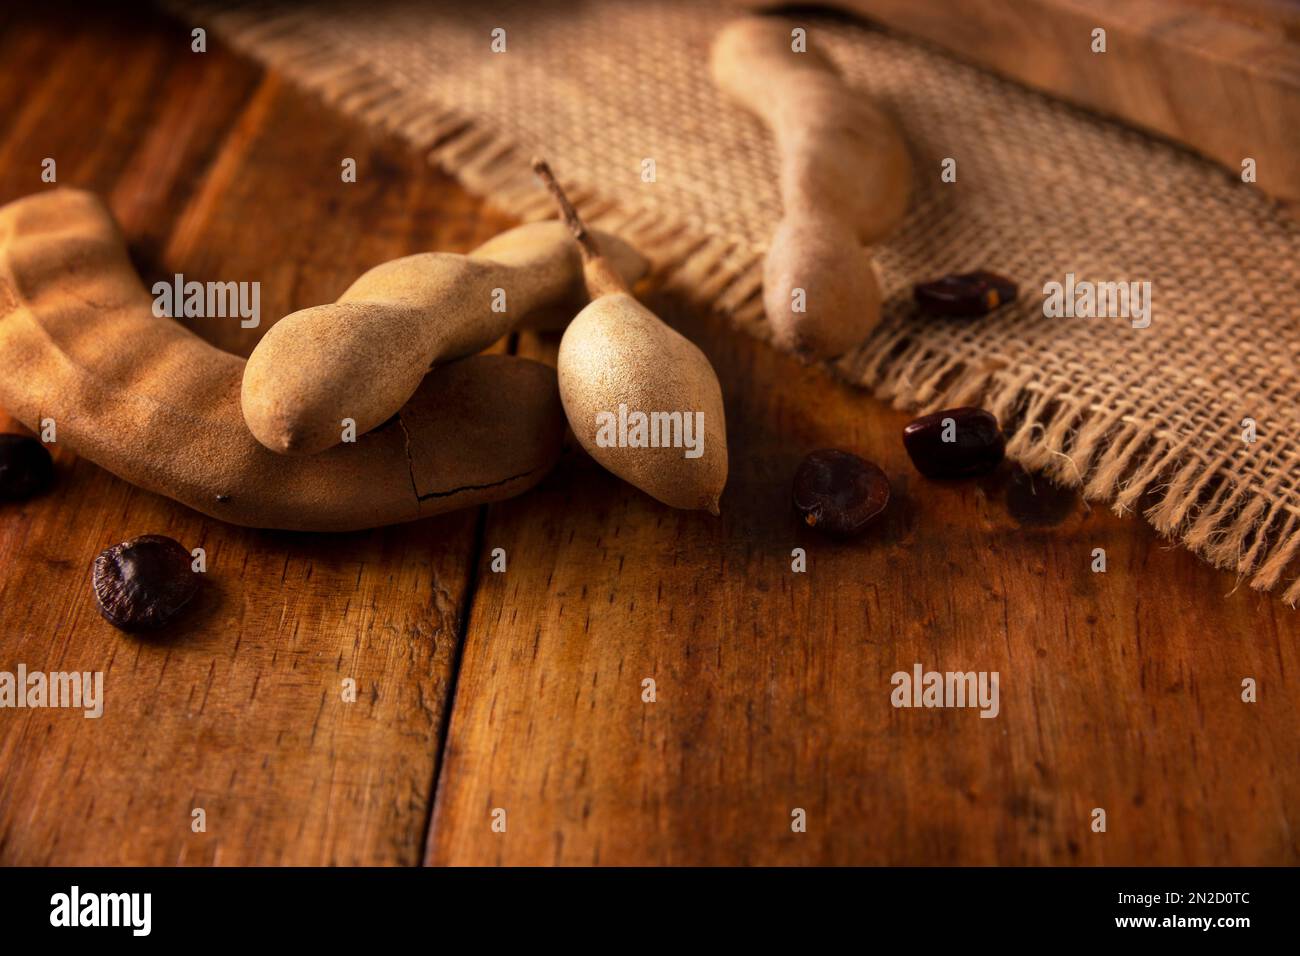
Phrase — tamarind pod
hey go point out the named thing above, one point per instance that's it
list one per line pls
(845, 181)
(617, 352)
(361, 357)
(617, 356)
(153, 403)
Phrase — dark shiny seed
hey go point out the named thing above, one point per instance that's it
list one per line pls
(26, 467)
(143, 583)
(972, 293)
(838, 492)
(955, 443)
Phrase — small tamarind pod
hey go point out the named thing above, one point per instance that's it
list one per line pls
(618, 357)
(845, 180)
(361, 357)
(153, 403)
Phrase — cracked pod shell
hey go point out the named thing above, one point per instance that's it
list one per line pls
(153, 403)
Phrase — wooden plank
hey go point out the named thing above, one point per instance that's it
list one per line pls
(1119, 690)
(1222, 78)
(220, 173)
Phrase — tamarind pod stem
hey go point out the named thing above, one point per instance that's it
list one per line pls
(617, 355)
(153, 403)
(599, 272)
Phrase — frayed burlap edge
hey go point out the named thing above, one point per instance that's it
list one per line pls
(1109, 456)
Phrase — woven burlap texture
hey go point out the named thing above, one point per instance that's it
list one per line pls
(1144, 418)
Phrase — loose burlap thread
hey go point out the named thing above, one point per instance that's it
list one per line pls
(1149, 418)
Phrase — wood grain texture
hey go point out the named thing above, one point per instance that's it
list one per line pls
(219, 172)
(1119, 690)
(1220, 77)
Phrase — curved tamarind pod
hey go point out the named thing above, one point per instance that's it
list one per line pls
(361, 357)
(846, 179)
(153, 403)
(617, 360)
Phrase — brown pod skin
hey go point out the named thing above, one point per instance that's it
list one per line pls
(362, 357)
(846, 181)
(153, 403)
(143, 583)
(616, 352)
(837, 280)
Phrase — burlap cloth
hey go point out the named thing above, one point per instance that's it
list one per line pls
(1142, 418)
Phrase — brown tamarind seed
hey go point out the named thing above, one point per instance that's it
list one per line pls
(971, 293)
(143, 583)
(955, 443)
(839, 493)
(26, 467)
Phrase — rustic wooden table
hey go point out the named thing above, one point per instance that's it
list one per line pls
(523, 690)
